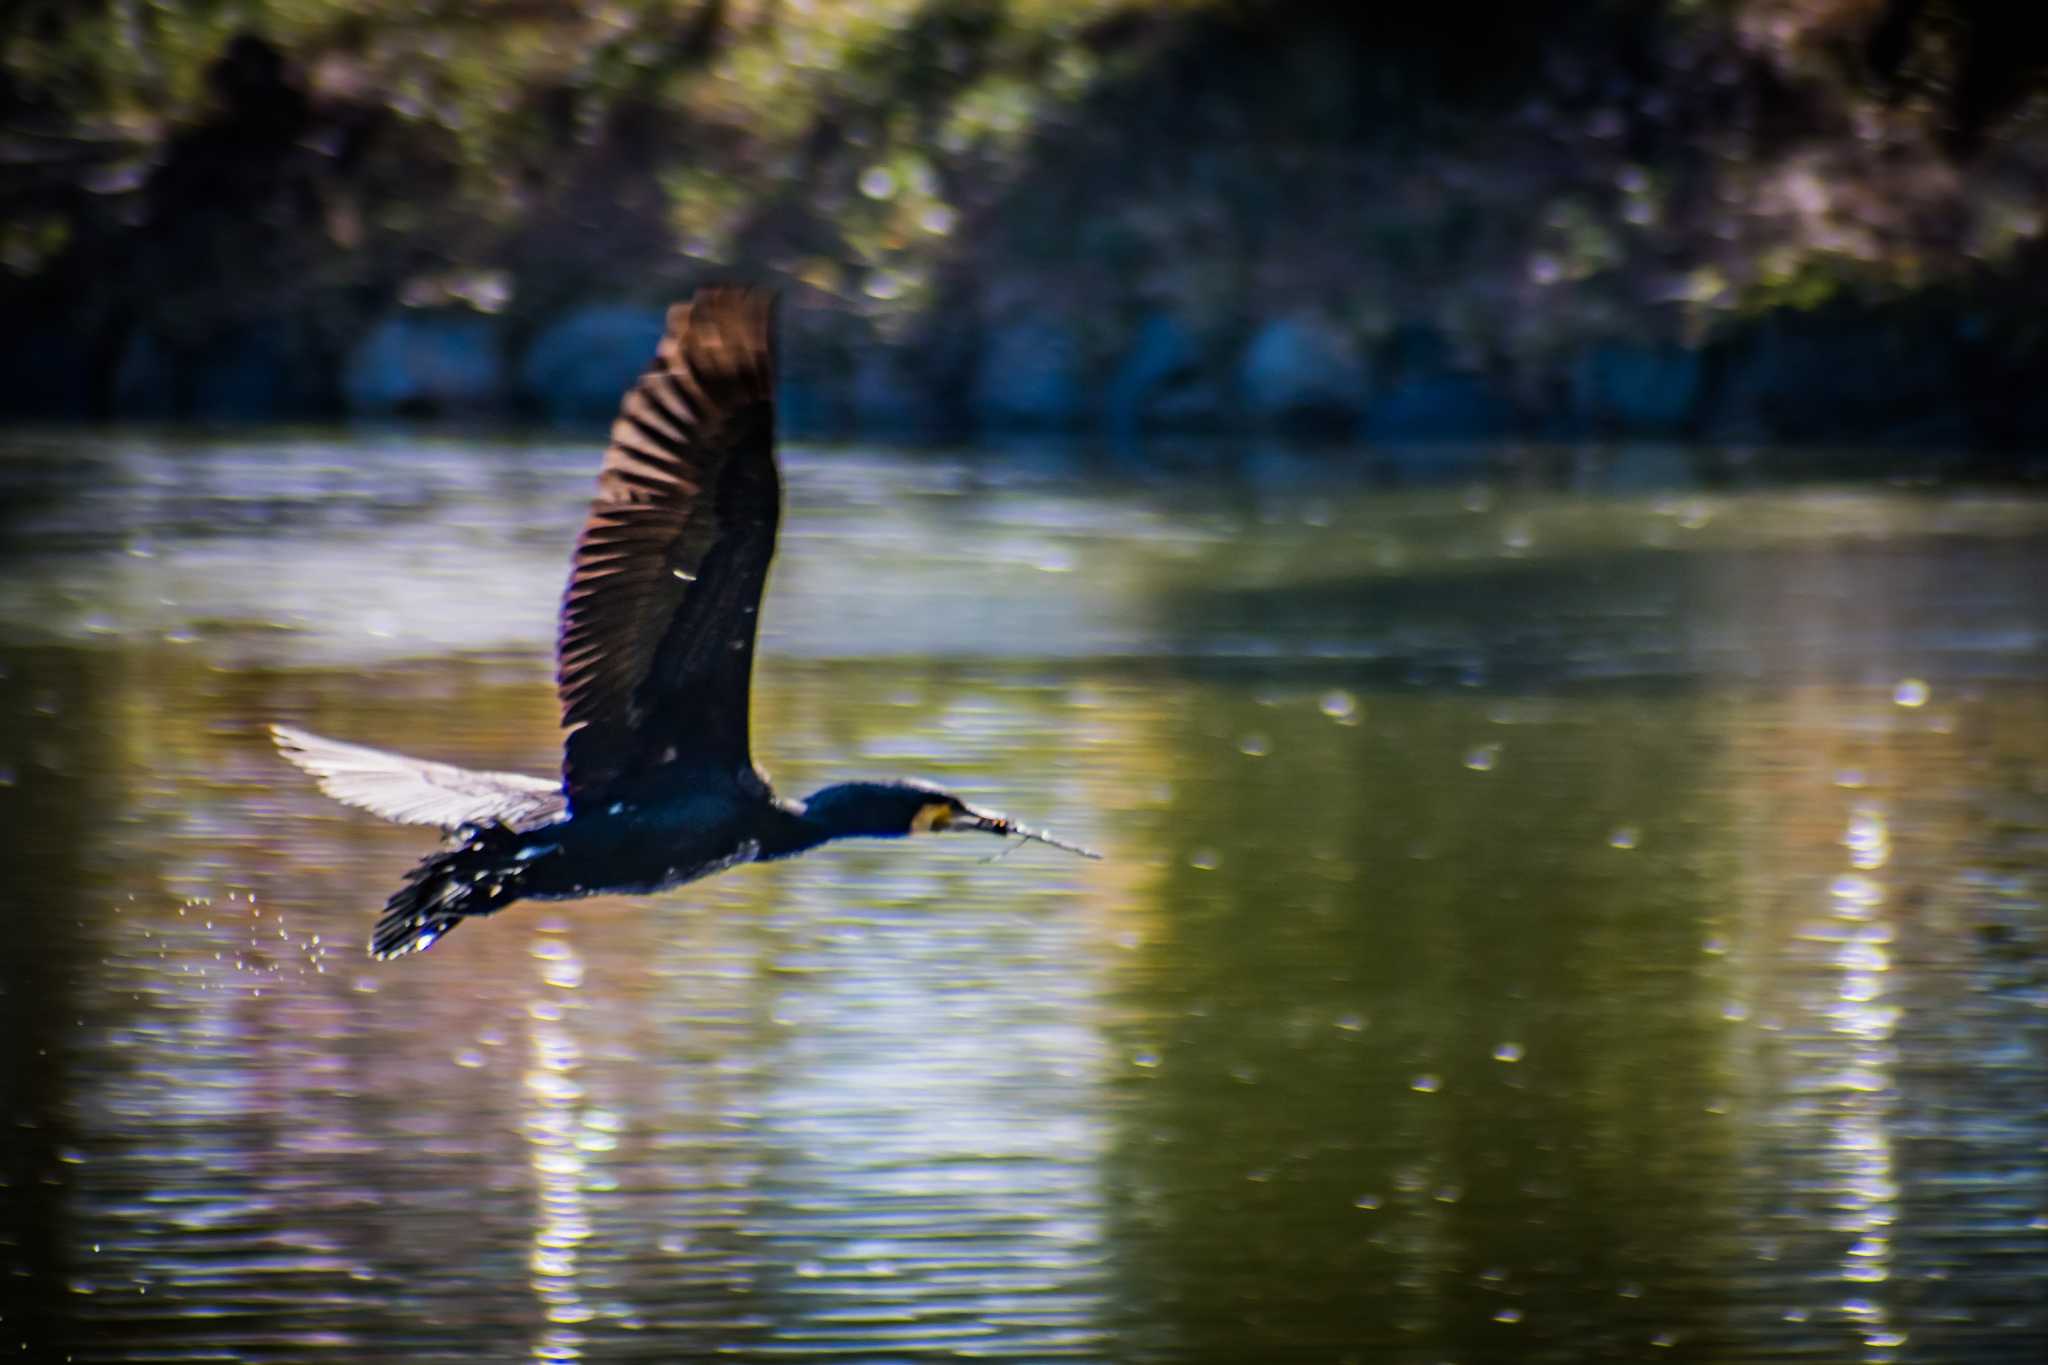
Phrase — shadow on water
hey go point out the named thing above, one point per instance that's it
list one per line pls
(1536, 928)
(52, 789)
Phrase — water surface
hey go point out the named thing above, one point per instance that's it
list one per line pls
(1541, 923)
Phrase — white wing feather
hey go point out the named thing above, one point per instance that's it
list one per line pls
(414, 791)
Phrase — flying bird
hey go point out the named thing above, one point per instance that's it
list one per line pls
(653, 665)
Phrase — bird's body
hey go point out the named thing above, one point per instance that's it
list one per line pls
(654, 659)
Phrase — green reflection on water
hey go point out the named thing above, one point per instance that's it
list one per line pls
(1567, 949)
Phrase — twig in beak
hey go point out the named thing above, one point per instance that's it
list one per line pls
(1039, 836)
(1010, 829)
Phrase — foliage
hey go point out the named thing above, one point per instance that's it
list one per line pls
(1522, 178)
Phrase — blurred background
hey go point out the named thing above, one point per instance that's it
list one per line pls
(1516, 527)
(1746, 220)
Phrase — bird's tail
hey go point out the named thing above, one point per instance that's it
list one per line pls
(480, 873)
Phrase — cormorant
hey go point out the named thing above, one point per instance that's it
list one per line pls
(653, 659)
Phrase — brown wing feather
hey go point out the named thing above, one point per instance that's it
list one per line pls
(657, 630)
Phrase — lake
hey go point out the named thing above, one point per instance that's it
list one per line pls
(1568, 911)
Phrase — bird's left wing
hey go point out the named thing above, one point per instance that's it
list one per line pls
(414, 791)
(657, 632)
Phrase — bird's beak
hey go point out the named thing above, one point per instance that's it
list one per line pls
(1005, 827)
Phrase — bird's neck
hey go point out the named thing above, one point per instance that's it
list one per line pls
(845, 810)
(791, 832)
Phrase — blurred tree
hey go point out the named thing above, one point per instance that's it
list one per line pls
(1981, 58)
(185, 188)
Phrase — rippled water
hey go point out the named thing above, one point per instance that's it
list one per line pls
(1539, 925)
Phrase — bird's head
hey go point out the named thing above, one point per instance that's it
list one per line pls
(894, 809)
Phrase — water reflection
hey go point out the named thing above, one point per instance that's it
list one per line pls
(1894, 1035)
(1520, 940)
(563, 1134)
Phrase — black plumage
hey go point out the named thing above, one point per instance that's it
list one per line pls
(654, 664)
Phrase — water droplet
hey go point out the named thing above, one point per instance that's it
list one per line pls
(1205, 860)
(1910, 693)
(1426, 1084)
(1339, 706)
(1482, 759)
(1147, 1060)
(877, 182)
(1508, 1315)
(1254, 746)
(1508, 1052)
(1624, 836)
(1366, 1201)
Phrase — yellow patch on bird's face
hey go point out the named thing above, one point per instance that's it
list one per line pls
(932, 817)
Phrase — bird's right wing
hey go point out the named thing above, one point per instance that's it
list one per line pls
(414, 791)
(657, 631)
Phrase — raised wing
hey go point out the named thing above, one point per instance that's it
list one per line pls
(414, 791)
(657, 632)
